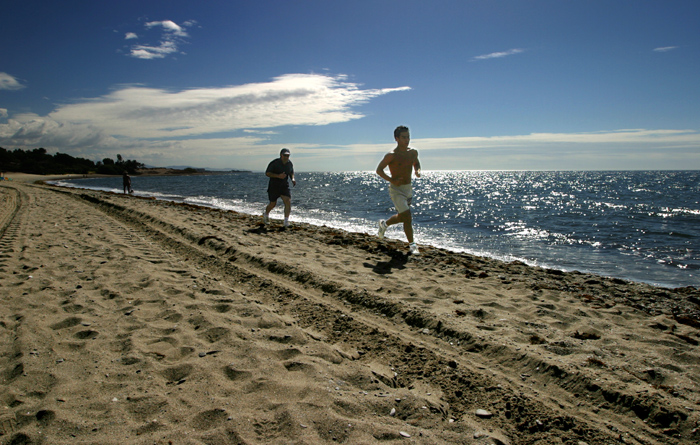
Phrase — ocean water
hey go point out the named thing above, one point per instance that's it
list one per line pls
(638, 225)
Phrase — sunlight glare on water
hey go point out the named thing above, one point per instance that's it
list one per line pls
(643, 226)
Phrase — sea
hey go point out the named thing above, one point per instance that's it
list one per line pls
(641, 226)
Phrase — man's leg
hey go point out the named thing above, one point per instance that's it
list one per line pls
(407, 221)
(268, 209)
(287, 200)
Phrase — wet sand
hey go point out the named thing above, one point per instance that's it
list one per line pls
(130, 320)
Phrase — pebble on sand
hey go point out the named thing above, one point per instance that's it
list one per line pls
(483, 414)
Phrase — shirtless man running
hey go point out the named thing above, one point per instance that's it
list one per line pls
(400, 162)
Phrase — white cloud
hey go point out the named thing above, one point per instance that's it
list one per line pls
(169, 26)
(3, 112)
(30, 131)
(664, 49)
(497, 55)
(8, 82)
(159, 123)
(602, 138)
(170, 38)
(606, 150)
(259, 132)
(292, 99)
(627, 149)
(234, 127)
(131, 35)
(153, 52)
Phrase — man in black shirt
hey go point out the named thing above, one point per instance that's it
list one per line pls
(126, 182)
(280, 171)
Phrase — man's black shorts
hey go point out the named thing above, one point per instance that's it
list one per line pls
(275, 192)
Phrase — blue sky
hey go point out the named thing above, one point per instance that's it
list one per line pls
(483, 85)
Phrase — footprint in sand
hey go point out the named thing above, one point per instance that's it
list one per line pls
(144, 408)
(298, 366)
(210, 419)
(177, 374)
(222, 308)
(86, 334)
(287, 354)
(235, 375)
(67, 323)
(73, 308)
(215, 334)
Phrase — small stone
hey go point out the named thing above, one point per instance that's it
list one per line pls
(202, 354)
(483, 413)
(393, 412)
(404, 434)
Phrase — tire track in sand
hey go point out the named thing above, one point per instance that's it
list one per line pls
(347, 322)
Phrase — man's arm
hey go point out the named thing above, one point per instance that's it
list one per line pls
(270, 174)
(416, 166)
(383, 165)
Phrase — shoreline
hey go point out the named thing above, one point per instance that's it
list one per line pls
(609, 269)
(149, 320)
(23, 177)
(28, 177)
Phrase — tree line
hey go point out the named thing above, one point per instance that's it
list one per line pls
(39, 162)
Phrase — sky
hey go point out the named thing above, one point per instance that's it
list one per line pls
(482, 85)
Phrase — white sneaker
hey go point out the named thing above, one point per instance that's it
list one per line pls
(286, 223)
(266, 218)
(382, 229)
(413, 249)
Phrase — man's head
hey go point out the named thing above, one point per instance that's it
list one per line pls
(400, 129)
(402, 137)
(284, 155)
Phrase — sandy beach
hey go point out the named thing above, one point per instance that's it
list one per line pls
(130, 320)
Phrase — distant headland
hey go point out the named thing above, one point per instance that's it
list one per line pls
(168, 171)
(39, 162)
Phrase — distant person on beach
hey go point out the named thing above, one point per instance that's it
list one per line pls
(126, 182)
(279, 171)
(400, 162)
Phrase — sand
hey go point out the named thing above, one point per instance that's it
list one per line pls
(130, 320)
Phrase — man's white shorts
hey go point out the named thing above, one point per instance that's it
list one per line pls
(401, 196)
